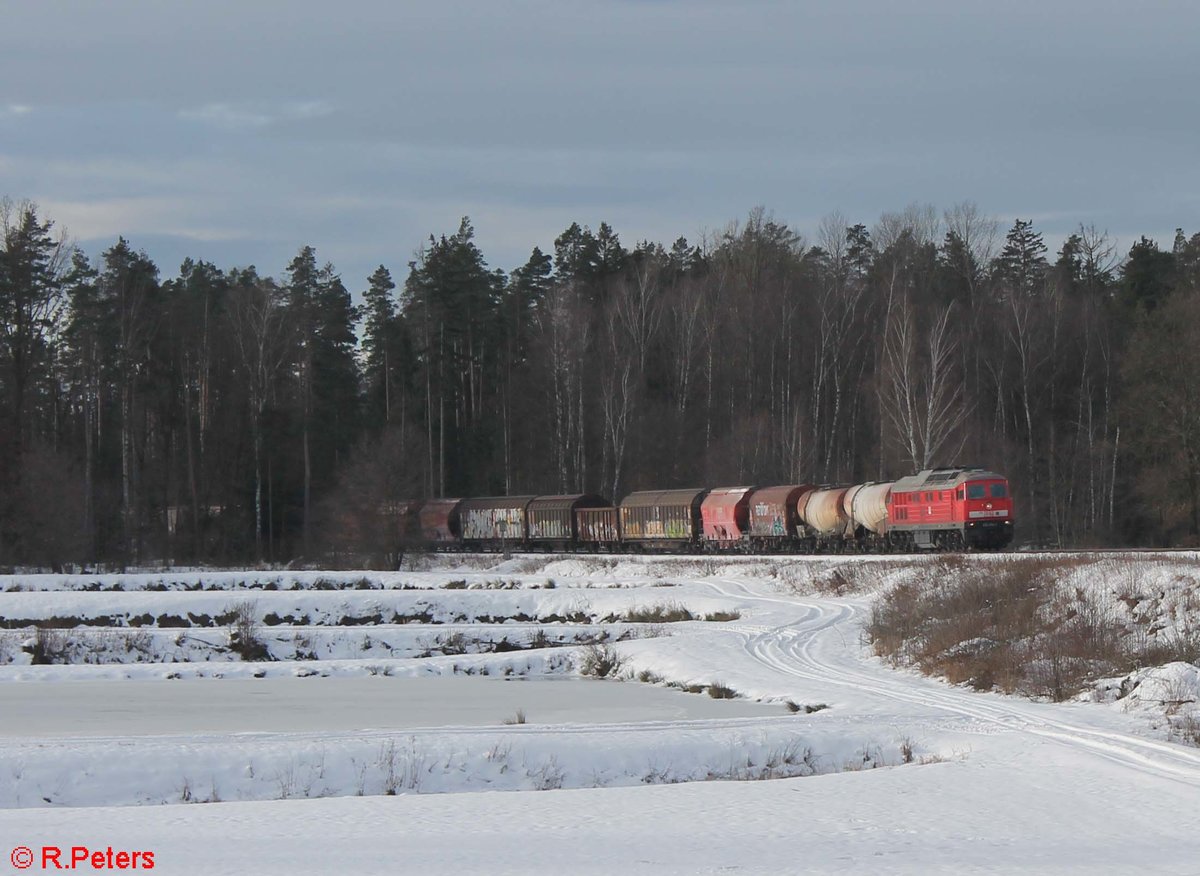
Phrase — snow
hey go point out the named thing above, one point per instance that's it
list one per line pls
(286, 704)
(897, 773)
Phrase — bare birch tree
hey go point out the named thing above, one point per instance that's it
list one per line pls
(924, 404)
(260, 332)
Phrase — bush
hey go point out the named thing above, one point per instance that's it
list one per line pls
(243, 633)
(719, 691)
(671, 612)
(1005, 624)
(600, 661)
(49, 647)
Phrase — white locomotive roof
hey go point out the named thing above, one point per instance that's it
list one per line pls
(944, 478)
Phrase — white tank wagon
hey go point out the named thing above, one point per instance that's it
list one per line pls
(866, 506)
(821, 511)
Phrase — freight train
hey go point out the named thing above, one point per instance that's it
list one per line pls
(946, 509)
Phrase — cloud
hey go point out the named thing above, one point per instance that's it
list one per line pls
(112, 217)
(13, 110)
(248, 115)
(223, 115)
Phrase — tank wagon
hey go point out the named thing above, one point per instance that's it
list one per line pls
(959, 508)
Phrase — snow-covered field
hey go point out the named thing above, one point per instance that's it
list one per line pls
(392, 702)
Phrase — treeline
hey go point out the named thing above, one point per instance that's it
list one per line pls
(225, 416)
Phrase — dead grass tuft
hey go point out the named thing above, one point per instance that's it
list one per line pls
(600, 661)
(664, 613)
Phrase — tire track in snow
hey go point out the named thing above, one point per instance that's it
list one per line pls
(800, 650)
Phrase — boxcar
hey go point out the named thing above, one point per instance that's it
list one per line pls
(725, 516)
(496, 521)
(552, 519)
(662, 519)
(598, 528)
(440, 522)
(406, 515)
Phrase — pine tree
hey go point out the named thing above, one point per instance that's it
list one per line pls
(1021, 265)
(527, 289)
(1148, 277)
(31, 295)
(576, 254)
(685, 258)
(336, 378)
(452, 304)
(88, 348)
(323, 316)
(860, 251)
(610, 255)
(960, 272)
(381, 335)
(129, 300)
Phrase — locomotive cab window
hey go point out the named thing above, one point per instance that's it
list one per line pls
(999, 491)
(976, 491)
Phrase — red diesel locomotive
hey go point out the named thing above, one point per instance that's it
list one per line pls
(950, 509)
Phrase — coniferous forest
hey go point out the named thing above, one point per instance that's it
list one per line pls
(215, 414)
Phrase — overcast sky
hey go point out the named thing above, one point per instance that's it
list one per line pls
(238, 130)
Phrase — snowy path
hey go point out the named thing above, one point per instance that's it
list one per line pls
(819, 649)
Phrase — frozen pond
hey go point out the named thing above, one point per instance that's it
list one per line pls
(132, 708)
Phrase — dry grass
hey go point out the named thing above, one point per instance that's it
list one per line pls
(719, 691)
(1010, 624)
(664, 613)
(600, 661)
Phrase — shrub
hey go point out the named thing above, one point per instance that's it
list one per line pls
(719, 691)
(49, 646)
(243, 633)
(670, 612)
(600, 661)
(1006, 624)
